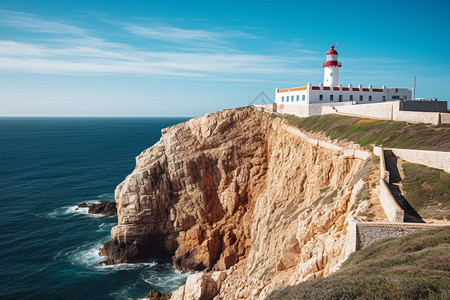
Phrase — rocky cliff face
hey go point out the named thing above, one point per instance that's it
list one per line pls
(235, 194)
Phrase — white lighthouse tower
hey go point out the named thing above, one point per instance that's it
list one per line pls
(331, 68)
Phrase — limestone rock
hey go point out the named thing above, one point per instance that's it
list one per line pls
(200, 286)
(239, 196)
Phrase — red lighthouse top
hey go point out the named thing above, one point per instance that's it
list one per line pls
(332, 51)
(332, 59)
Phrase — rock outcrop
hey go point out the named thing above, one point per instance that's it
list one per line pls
(105, 208)
(235, 194)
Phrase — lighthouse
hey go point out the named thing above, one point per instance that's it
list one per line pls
(331, 68)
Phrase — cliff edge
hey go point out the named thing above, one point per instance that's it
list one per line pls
(240, 195)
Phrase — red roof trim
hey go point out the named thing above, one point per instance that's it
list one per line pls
(332, 63)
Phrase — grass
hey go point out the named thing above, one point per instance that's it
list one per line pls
(427, 190)
(415, 266)
(365, 132)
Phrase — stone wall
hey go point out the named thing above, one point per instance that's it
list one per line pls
(390, 206)
(433, 159)
(424, 106)
(368, 233)
(417, 117)
(266, 107)
(395, 110)
(371, 110)
(445, 118)
(347, 152)
(363, 234)
(317, 109)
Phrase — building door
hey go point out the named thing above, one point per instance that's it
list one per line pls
(340, 98)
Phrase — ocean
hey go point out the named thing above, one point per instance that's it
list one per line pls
(48, 249)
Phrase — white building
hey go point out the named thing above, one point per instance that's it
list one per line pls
(308, 100)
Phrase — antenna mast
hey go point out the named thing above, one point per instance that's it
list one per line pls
(414, 87)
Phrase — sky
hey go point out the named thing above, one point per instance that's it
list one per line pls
(188, 58)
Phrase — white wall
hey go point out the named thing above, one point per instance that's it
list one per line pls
(433, 159)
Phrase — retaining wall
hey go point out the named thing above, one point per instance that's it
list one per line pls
(363, 234)
(347, 152)
(409, 111)
(390, 206)
(417, 117)
(433, 159)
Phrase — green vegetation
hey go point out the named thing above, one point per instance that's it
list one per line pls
(324, 189)
(318, 200)
(326, 198)
(379, 132)
(427, 190)
(264, 273)
(416, 266)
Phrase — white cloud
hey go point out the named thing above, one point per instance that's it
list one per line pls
(71, 50)
(32, 23)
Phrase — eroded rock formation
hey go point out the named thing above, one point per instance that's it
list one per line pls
(235, 192)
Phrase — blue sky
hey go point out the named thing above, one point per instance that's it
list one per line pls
(187, 58)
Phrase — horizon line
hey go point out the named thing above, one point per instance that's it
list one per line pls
(91, 116)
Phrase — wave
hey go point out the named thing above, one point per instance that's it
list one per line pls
(85, 255)
(129, 266)
(107, 196)
(105, 227)
(167, 281)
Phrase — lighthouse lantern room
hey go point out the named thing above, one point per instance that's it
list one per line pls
(331, 68)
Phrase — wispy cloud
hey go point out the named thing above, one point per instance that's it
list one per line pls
(31, 23)
(68, 49)
(174, 34)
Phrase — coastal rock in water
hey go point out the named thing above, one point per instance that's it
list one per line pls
(155, 295)
(117, 253)
(105, 208)
(238, 191)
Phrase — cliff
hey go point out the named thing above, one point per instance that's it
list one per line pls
(240, 195)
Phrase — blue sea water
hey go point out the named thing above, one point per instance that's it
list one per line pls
(48, 249)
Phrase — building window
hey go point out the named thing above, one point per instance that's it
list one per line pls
(370, 97)
(396, 91)
(351, 97)
(384, 98)
(320, 97)
(292, 98)
(404, 97)
(331, 74)
(303, 97)
(331, 97)
(298, 97)
(340, 98)
(282, 99)
(361, 98)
